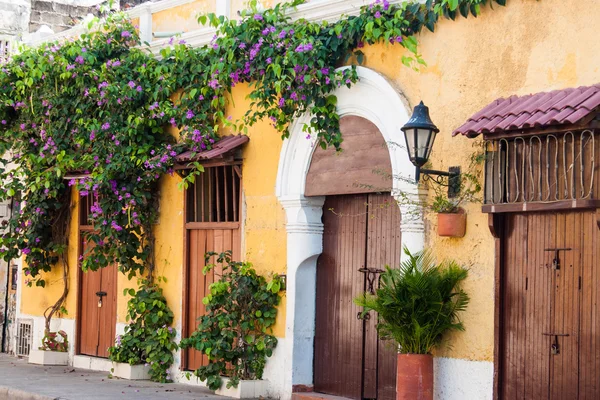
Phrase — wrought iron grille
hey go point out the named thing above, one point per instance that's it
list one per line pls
(541, 168)
(4, 50)
(24, 329)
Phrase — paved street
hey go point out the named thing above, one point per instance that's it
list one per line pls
(19, 380)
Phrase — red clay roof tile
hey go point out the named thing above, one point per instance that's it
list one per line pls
(540, 110)
(225, 145)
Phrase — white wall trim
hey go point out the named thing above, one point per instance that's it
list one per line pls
(316, 10)
(375, 99)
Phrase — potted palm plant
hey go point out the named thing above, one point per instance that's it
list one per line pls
(417, 304)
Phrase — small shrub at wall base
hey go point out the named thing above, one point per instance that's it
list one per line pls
(55, 341)
(234, 334)
(148, 338)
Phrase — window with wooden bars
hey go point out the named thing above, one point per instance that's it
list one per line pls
(85, 209)
(215, 195)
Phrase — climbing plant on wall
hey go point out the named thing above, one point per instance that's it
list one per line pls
(97, 108)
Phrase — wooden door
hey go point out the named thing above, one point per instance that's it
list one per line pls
(550, 341)
(212, 225)
(98, 305)
(361, 236)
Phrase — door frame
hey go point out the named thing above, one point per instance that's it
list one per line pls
(185, 306)
(496, 225)
(78, 326)
(374, 98)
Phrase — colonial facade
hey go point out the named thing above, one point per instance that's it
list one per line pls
(275, 211)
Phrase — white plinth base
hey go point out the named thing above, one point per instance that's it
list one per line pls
(245, 389)
(131, 372)
(45, 357)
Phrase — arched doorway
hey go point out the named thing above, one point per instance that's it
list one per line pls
(374, 99)
(361, 236)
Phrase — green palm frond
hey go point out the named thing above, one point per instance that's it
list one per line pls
(419, 302)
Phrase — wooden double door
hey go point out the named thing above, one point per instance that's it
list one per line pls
(98, 309)
(550, 316)
(361, 236)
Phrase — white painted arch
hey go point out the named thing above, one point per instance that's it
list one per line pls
(373, 97)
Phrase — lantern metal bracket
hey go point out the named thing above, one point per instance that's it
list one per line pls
(450, 178)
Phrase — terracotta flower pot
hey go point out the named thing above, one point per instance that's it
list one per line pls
(415, 377)
(452, 225)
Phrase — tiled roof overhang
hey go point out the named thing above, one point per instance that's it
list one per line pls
(219, 151)
(557, 109)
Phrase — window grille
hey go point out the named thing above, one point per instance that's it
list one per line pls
(24, 329)
(544, 168)
(5, 45)
(215, 195)
(85, 209)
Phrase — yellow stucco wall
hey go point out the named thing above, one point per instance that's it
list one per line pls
(528, 46)
(183, 18)
(34, 300)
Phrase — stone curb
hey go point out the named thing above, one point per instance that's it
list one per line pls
(7, 393)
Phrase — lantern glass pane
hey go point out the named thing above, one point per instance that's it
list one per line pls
(429, 143)
(410, 136)
(424, 143)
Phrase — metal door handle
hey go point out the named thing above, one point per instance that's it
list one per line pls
(101, 294)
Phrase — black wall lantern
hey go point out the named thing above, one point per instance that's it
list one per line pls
(420, 133)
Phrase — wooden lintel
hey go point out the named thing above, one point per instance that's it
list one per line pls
(540, 206)
(212, 225)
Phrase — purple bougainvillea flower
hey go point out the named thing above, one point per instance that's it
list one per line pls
(282, 34)
(26, 250)
(258, 17)
(105, 126)
(125, 34)
(79, 60)
(377, 14)
(268, 60)
(3, 122)
(131, 84)
(281, 102)
(189, 114)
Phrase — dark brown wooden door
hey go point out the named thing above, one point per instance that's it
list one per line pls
(361, 236)
(550, 328)
(98, 307)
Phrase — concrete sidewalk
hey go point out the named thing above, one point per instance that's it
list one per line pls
(22, 381)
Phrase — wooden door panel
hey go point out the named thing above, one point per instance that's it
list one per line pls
(564, 378)
(90, 324)
(513, 366)
(589, 337)
(98, 324)
(200, 242)
(339, 333)
(384, 247)
(108, 311)
(538, 286)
